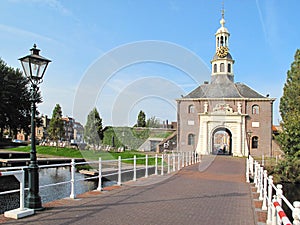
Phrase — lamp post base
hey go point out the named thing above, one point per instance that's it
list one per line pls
(33, 200)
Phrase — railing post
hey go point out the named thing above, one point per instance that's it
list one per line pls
(162, 165)
(255, 174)
(134, 168)
(174, 161)
(168, 163)
(100, 175)
(119, 170)
(279, 194)
(187, 159)
(146, 166)
(270, 188)
(182, 159)
(73, 195)
(22, 186)
(156, 164)
(178, 162)
(251, 165)
(247, 171)
(296, 213)
(264, 203)
(261, 175)
(274, 214)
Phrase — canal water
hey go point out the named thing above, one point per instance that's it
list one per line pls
(56, 175)
(48, 194)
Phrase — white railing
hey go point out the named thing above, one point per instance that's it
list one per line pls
(110, 168)
(271, 195)
(21, 211)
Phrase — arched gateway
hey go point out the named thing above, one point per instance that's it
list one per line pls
(221, 141)
(224, 109)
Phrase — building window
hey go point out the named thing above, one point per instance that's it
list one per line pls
(255, 109)
(191, 139)
(229, 68)
(191, 109)
(215, 68)
(254, 142)
(222, 67)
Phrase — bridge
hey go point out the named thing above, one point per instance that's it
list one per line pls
(214, 191)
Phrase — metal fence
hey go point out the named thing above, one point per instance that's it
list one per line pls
(113, 169)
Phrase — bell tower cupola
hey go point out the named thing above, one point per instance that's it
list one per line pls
(222, 62)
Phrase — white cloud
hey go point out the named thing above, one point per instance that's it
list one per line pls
(22, 33)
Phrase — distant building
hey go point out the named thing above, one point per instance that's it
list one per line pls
(223, 116)
(69, 128)
(78, 132)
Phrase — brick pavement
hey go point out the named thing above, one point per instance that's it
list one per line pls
(215, 194)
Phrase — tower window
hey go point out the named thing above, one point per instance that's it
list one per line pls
(229, 68)
(215, 68)
(222, 40)
(255, 109)
(254, 143)
(222, 67)
(191, 109)
(191, 139)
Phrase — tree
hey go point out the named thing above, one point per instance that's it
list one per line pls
(56, 125)
(93, 130)
(15, 100)
(287, 170)
(141, 120)
(289, 107)
(153, 122)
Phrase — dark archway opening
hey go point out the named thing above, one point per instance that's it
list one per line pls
(222, 141)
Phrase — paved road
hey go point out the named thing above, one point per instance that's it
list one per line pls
(213, 193)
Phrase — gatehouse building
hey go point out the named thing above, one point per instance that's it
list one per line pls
(224, 117)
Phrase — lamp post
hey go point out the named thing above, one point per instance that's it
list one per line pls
(34, 67)
(249, 133)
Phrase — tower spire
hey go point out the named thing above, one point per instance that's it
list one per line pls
(222, 21)
(223, 11)
(222, 62)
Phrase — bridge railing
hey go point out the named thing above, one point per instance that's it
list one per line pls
(114, 169)
(21, 211)
(271, 195)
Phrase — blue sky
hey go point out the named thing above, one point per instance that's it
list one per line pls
(76, 34)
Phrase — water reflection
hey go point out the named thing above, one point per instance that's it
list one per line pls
(48, 194)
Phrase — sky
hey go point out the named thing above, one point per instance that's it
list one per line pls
(123, 56)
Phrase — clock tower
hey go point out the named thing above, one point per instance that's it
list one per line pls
(222, 62)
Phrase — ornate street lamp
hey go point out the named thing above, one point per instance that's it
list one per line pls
(34, 67)
(249, 133)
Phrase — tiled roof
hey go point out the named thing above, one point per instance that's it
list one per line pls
(222, 87)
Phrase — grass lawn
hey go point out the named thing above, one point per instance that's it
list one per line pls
(49, 151)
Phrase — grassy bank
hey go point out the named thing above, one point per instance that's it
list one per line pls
(48, 151)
